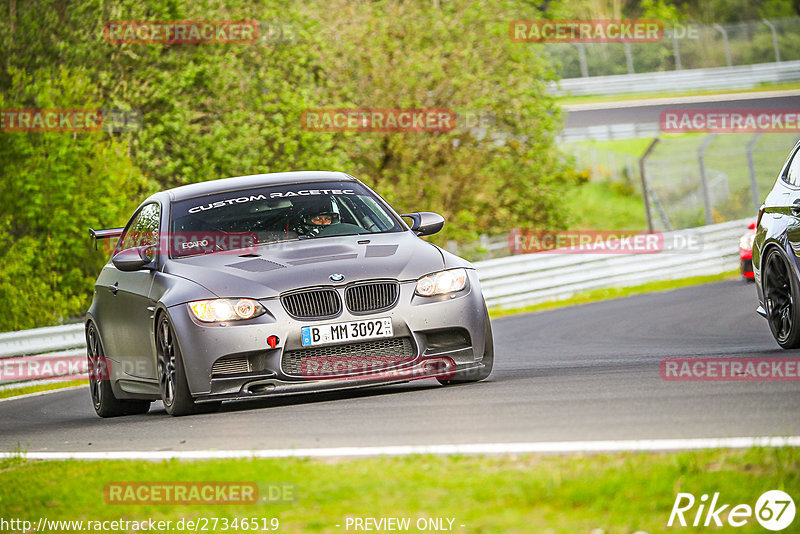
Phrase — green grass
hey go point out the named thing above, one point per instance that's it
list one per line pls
(595, 295)
(619, 493)
(633, 147)
(590, 99)
(674, 173)
(599, 206)
(15, 392)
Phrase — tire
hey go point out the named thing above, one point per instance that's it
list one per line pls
(172, 381)
(103, 400)
(476, 375)
(780, 289)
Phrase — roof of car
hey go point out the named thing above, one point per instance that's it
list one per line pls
(255, 180)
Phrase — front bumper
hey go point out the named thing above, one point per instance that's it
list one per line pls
(425, 321)
(243, 388)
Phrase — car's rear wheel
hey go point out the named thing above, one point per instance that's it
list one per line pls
(780, 299)
(103, 399)
(476, 375)
(175, 392)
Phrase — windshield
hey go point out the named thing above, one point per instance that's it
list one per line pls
(235, 220)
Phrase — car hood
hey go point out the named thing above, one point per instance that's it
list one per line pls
(271, 270)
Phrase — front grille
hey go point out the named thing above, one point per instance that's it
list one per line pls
(312, 304)
(371, 297)
(353, 358)
(231, 366)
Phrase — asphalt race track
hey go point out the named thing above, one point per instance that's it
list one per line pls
(582, 373)
(644, 111)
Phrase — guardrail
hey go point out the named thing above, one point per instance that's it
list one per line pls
(526, 279)
(513, 281)
(609, 132)
(59, 351)
(737, 77)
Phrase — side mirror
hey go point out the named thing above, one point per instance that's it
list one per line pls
(132, 259)
(425, 222)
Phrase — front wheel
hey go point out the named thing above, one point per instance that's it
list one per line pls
(476, 375)
(780, 299)
(175, 392)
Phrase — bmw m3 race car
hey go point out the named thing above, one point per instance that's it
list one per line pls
(277, 284)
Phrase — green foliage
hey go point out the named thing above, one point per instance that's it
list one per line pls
(217, 110)
(459, 57)
(55, 186)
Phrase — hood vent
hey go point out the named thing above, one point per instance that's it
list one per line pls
(380, 251)
(257, 266)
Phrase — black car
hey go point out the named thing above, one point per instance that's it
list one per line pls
(775, 255)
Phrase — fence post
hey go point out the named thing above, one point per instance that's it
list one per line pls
(612, 164)
(582, 60)
(751, 167)
(629, 57)
(703, 181)
(774, 33)
(724, 33)
(676, 50)
(642, 161)
(484, 241)
(629, 167)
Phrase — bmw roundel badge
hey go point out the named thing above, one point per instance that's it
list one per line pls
(337, 277)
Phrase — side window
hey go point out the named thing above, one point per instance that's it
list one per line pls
(793, 172)
(143, 230)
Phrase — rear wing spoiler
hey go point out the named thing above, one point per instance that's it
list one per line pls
(107, 233)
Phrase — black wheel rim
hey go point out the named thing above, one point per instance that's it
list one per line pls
(778, 296)
(94, 352)
(166, 362)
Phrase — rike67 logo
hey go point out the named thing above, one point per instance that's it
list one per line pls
(774, 510)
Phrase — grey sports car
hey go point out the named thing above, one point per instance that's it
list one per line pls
(277, 284)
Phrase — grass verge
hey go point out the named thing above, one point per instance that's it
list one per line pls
(595, 295)
(16, 392)
(618, 493)
(602, 206)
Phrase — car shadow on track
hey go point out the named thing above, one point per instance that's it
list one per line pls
(318, 397)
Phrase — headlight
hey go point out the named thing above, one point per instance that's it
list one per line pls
(746, 241)
(441, 283)
(217, 310)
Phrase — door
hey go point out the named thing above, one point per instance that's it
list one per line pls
(790, 209)
(130, 294)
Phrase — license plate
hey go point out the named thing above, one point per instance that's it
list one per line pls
(344, 332)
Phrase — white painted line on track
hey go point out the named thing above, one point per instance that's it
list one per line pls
(400, 450)
(677, 100)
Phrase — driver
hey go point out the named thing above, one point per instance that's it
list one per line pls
(324, 218)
